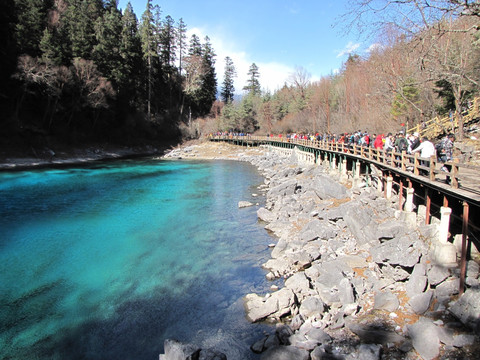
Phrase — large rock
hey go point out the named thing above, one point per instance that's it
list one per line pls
(401, 251)
(445, 254)
(175, 350)
(298, 283)
(366, 352)
(425, 338)
(386, 300)
(358, 220)
(374, 335)
(285, 353)
(266, 215)
(421, 302)
(327, 188)
(315, 229)
(437, 274)
(467, 308)
(417, 282)
(244, 204)
(209, 354)
(277, 304)
(285, 188)
(312, 306)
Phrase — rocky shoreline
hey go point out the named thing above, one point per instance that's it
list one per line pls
(362, 280)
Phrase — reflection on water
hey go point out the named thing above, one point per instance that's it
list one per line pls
(108, 261)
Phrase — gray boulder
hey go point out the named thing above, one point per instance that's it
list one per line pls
(437, 273)
(209, 354)
(244, 204)
(425, 338)
(312, 306)
(374, 335)
(386, 300)
(417, 282)
(327, 188)
(421, 302)
(315, 229)
(366, 352)
(277, 304)
(266, 215)
(282, 352)
(175, 350)
(401, 251)
(467, 308)
(298, 283)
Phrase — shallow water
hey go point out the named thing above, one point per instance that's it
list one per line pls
(109, 260)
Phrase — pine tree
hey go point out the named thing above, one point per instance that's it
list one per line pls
(31, 21)
(253, 84)
(80, 18)
(181, 43)
(50, 47)
(131, 54)
(149, 43)
(106, 52)
(167, 42)
(208, 91)
(228, 89)
(195, 46)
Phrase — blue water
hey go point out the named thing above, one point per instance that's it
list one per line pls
(109, 260)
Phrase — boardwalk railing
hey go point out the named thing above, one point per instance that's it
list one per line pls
(412, 175)
(438, 126)
(461, 175)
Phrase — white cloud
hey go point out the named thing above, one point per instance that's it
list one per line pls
(272, 75)
(348, 49)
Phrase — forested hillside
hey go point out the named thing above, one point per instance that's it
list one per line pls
(80, 71)
(83, 70)
(423, 60)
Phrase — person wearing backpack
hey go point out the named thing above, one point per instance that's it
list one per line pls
(445, 154)
(401, 144)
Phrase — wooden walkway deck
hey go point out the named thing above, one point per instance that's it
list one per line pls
(417, 182)
(465, 178)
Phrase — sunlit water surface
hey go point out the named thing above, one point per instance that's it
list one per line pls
(107, 261)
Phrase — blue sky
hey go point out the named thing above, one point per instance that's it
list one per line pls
(277, 35)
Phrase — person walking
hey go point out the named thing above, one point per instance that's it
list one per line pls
(445, 154)
(427, 150)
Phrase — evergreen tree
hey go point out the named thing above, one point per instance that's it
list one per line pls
(195, 48)
(50, 47)
(228, 89)
(181, 43)
(8, 58)
(106, 52)
(80, 18)
(31, 21)
(253, 84)
(149, 49)
(208, 91)
(167, 42)
(131, 54)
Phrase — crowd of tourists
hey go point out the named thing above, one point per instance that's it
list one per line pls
(399, 143)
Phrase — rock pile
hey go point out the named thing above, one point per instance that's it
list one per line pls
(361, 279)
(361, 282)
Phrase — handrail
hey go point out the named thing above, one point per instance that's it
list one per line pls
(430, 168)
(438, 126)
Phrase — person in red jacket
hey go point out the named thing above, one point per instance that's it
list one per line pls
(378, 143)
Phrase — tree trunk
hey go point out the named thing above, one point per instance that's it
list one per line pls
(458, 112)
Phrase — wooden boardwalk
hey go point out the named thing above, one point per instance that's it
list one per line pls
(464, 178)
(417, 182)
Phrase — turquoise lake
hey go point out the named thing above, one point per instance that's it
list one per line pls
(106, 261)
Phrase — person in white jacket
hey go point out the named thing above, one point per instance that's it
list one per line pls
(427, 149)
